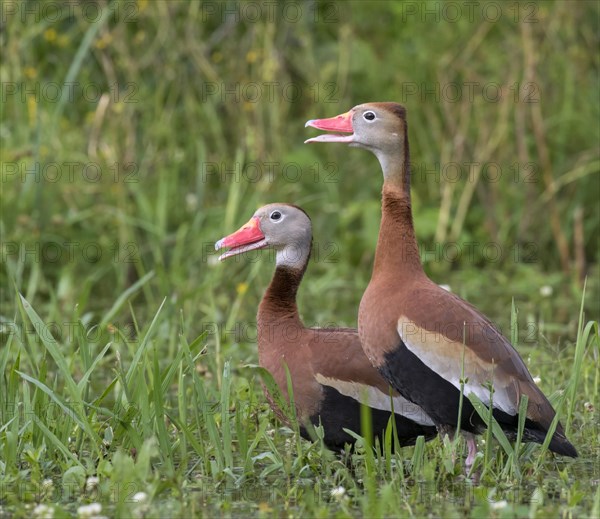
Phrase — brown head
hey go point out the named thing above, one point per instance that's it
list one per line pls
(284, 227)
(378, 127)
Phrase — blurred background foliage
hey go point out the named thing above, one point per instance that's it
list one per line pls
(184, 117)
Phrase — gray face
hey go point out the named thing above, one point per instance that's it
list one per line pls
(288, 230)
(377, 129)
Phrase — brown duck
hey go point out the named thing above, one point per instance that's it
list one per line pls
(419, 336)
(330, 374)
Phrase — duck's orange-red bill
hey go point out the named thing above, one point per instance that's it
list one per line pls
(339, 123)
(248, 237)
(248, 233)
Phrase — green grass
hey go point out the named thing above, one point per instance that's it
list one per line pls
(162, 427)
(127, 354)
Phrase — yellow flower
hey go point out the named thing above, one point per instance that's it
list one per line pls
(242, 288)
(63, 40)
(30, 72)
(251, 56)
(103, 42)
(32, 110)
(139, 37)
(118, 107)
(50, 34)
(264, 507)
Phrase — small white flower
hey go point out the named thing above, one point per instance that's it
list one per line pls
(43, 512)
(498, 505)
(90, 510)
(537, 380)
(91, 483)
(96, 508)
(191, 200)
(338, 492)
(546, 291)
(140, 497)
(47, 484)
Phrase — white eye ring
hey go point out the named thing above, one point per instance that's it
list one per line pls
(369, 116)
(276, 216)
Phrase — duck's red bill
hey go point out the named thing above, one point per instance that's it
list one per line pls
(248, 237)
(339, 123)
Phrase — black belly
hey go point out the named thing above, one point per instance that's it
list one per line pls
(339, 412)
(439, 398)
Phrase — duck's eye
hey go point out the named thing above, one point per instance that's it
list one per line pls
(275, 216)
(369, 116)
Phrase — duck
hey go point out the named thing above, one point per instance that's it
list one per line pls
(330, 374)
(427, 342)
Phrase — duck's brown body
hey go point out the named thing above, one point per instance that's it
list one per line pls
(424, 340)
(433, 335)
(329, 371)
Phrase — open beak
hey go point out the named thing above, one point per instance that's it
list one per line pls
(248, 237)
(339, 123)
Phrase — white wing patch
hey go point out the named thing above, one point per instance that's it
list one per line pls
(373, 397)
(444, 356)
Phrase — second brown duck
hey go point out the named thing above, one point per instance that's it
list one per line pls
(427, 342)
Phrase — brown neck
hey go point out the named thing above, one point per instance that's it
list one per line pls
(278, 321)
(278, 305)
(397, 248)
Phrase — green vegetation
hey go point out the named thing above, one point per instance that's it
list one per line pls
(136, 134)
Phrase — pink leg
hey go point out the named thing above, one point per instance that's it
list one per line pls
(472, 446)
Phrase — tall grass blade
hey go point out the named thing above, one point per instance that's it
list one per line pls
(206, 417)
(225, 421)
(514, 324)
(520, 429)
(53, 440)
(43, 332)
(70, 412)
(583, 335)
(273, 389)
(370, 503)
(122, 299)
(77, 62)
(484, 412)
(135, 363)
(86, 376)
(159, 416)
